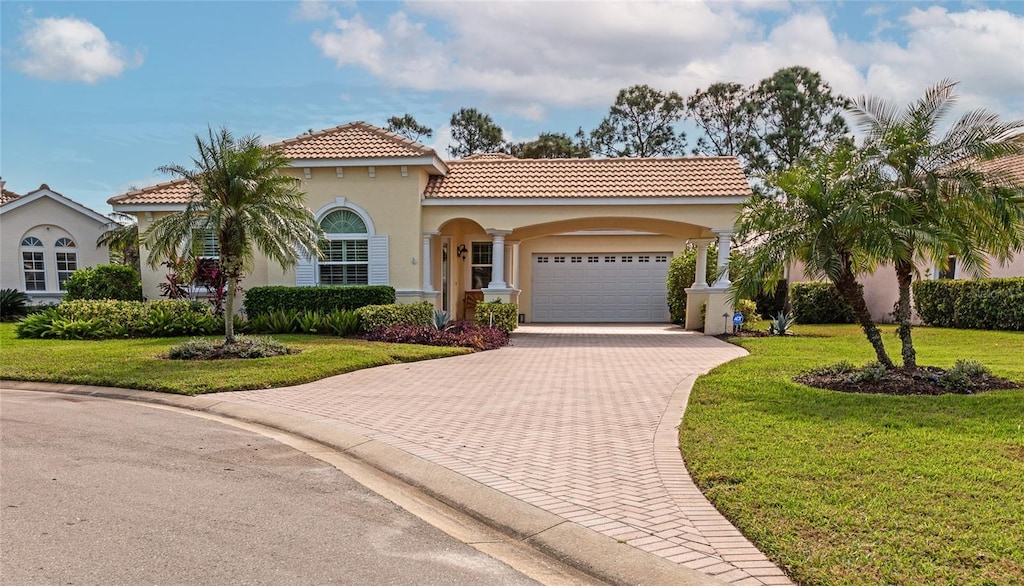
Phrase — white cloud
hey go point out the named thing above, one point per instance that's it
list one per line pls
(314, 10)
(527, 57)
(71, 49)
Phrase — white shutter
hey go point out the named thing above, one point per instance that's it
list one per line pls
(305, 271)
(379, 260)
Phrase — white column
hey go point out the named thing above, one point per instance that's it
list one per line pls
(700, 276)
(515, 265)
(724, 243)
(428, 276)
(498, 259)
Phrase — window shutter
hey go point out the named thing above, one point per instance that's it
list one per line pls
(305, 271)
(379, 260)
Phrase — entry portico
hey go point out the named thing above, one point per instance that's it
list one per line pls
(566, 239)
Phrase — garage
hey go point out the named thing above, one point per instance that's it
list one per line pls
(600, 287)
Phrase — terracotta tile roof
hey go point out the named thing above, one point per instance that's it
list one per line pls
(169, 192)
(1011, 167)
(356, 140)
(7, 196)
(574, 178)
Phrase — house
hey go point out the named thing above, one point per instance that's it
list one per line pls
(569, 240)
(881, 289)
(45, 237)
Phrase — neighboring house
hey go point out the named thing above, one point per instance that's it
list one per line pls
(880, 288)
(45, 237)
(569, 240)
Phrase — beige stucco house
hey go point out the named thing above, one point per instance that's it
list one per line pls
(45, 237)
(568, 240)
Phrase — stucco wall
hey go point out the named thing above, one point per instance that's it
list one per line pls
(47, 220)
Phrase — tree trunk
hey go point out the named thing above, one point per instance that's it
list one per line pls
(904, 276)
(854, 295)
(229, 308)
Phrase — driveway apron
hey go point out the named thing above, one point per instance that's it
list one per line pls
(580, 421)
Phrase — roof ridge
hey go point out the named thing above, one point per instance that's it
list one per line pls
(380, 132)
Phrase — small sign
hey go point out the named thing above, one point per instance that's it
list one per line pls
(737, 318)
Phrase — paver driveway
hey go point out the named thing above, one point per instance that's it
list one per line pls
(577, 420)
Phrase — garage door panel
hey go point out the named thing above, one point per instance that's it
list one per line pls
(600, 287)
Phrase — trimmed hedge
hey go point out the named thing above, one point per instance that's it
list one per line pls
(749, 311)
(102, 319)
(818, 302)
(324, 298)
(981, 304)
(104, 282)
(375, 317)
(504, 316)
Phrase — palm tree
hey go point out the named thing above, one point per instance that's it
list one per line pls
(820, 212)
(121, 237)
(946, 202)
(246, 203)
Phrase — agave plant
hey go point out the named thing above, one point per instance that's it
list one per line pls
(441, 319)
(13, 305)
(780, 324)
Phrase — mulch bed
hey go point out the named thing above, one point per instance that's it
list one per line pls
(902, 381)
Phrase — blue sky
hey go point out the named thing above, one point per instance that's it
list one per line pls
(95, 95)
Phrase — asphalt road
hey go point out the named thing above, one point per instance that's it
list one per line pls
(94, 491)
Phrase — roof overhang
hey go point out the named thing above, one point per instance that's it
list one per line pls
(582, 201)
(437, 165)
(38, 194)
(148, 207)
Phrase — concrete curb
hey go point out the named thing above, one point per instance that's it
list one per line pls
(574, 545)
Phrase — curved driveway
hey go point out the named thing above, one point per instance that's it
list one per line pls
(577, 420)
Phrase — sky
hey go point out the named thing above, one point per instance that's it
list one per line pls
(94, 96)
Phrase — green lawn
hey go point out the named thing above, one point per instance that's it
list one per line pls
(137, 364)
(866, 489)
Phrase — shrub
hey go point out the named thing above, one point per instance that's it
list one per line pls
(325, 299)
(341, 323)
(836, 369)
(13, 305)
(963, 377)
(774, 303)
(99, 319)
(462, 335)
(819, 303)
(504, 316)
(191, 350)
(872, 373)
(748, 309)
(374, 317)
(242, 347)
(441, 319)
(119, 282)
(984, 304)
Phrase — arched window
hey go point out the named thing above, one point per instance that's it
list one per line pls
(33, 266)
(67, 261)
(346, 249)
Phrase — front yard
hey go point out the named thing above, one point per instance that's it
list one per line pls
(137, 364)
(866, 489)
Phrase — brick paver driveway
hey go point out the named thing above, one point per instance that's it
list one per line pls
(577, 420)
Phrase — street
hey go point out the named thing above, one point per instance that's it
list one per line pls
(98, 491)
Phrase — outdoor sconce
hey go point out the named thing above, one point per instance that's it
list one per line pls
(461, 251)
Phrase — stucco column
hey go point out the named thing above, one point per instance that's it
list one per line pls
(498, 259)
(700, 276)
(724, 244)
(428, 256)
(515, 265)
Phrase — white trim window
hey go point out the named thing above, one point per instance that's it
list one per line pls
(67, 261)
(481, 264)
(346, 249)
(33, 265)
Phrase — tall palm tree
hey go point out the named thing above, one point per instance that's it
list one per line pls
(954, 204)
(121, 237)
(245, 202)
(820, 212)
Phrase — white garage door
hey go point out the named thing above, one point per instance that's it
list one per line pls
(600, 287)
